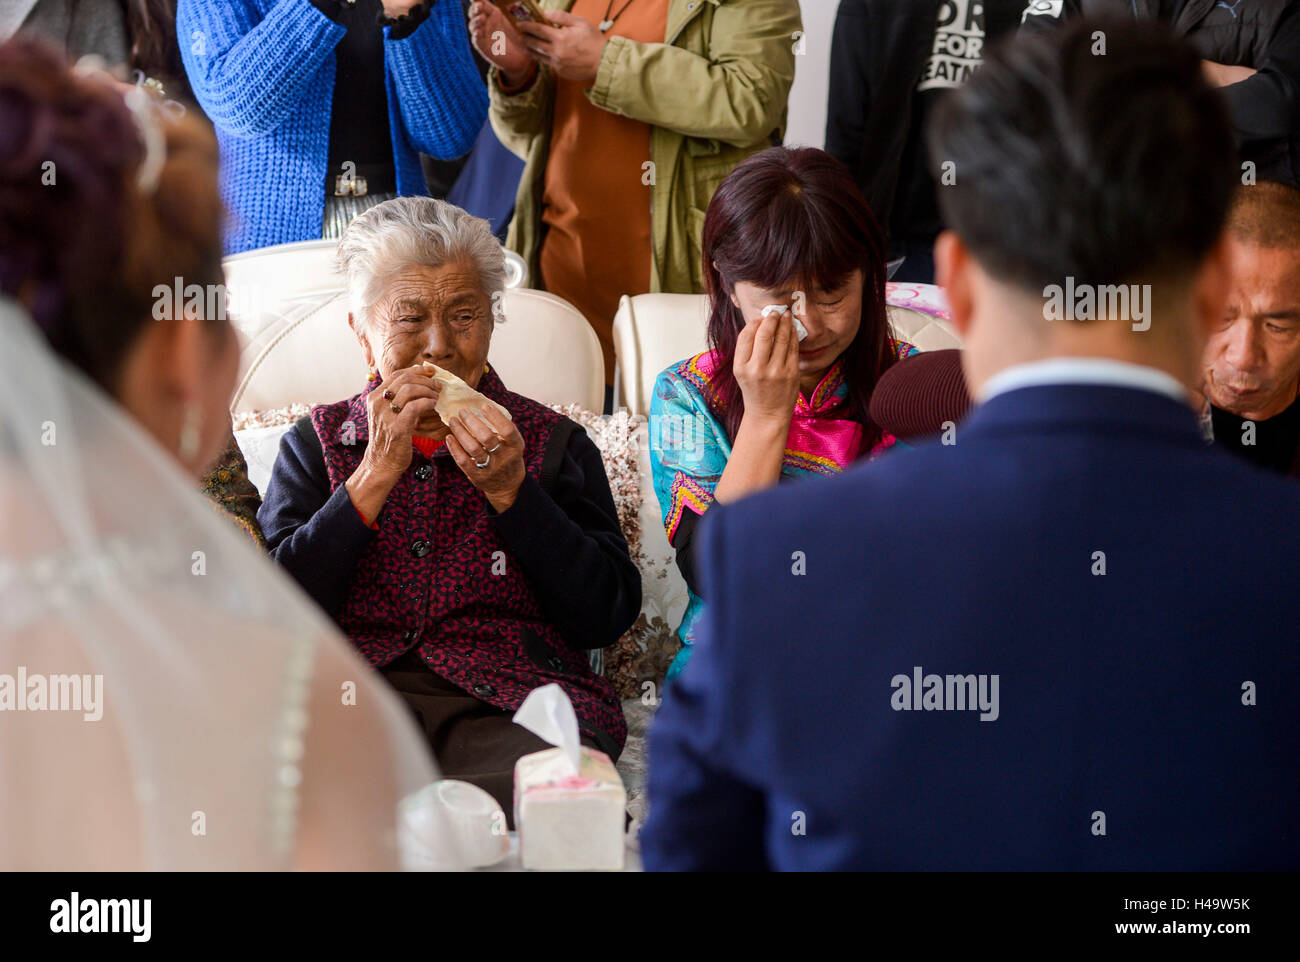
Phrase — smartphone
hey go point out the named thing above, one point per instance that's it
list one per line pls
(518, 11)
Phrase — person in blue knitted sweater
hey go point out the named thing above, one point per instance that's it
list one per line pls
(322, 107)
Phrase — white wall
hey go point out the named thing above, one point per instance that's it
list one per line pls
(807, 125)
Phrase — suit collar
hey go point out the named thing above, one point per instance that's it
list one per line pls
(1090, 409)
(1083, 370)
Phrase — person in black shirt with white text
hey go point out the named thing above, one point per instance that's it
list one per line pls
(890, 61)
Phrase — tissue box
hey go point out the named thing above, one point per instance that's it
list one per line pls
(569, 822)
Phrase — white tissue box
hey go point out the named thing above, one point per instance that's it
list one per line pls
(569, 822)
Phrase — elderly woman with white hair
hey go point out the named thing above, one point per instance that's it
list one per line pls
(470, 560)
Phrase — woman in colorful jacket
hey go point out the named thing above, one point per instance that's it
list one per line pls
(322, 106)
(629, 113)
(798, 339)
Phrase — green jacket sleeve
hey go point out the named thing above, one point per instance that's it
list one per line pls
(737, 94)
(517, 118)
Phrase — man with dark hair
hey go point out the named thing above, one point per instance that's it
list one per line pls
(1249, 48)
(1252, 360)
(891, 60)
(1028, 644)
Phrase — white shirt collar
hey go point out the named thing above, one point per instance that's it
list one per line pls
(1083, 370)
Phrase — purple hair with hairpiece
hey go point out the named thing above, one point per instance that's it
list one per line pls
(70, 146)
(88, 228)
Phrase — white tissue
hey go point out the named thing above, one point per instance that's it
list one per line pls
(548, 714)
(799, 329)
(451, 817)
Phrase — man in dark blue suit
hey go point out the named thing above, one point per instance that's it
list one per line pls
(1063, 636)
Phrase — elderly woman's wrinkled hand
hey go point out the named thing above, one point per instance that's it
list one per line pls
(490, 450)
(395, 408)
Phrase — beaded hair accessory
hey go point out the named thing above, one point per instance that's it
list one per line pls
(142, 110)
(142, 107)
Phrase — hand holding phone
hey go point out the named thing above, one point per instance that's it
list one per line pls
(519, 11)
(498, 42)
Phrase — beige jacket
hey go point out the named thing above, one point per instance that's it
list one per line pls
(713, 94)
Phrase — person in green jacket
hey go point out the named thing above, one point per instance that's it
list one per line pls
(629, 114)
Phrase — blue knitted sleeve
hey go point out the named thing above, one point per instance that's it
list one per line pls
(249, 71)
(441, 99)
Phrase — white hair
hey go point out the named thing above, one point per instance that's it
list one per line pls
(414, 231)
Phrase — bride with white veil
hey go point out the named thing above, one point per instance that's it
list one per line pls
(168, 698)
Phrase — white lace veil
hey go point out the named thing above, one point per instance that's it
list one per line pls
(235, 727)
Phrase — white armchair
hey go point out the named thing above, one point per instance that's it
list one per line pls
(264, 278)
(292, 310)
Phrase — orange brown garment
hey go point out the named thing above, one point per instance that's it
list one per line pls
(595, 205)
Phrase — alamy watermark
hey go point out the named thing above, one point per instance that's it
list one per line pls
(921, 692)
(1089, 302)
(37, 692)
(244, 306)
(681, 435)
(75, 915)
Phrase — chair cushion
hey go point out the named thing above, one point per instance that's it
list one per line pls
(645, 651)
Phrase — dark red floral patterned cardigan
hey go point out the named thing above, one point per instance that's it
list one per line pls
(498, 604)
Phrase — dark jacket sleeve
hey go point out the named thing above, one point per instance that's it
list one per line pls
(685, 545)
(1267, 105)
(879, 50)
(850, 88)
(1263, 107)
(573, 551)
(440, 95)
(317, 537)
(707, 814)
